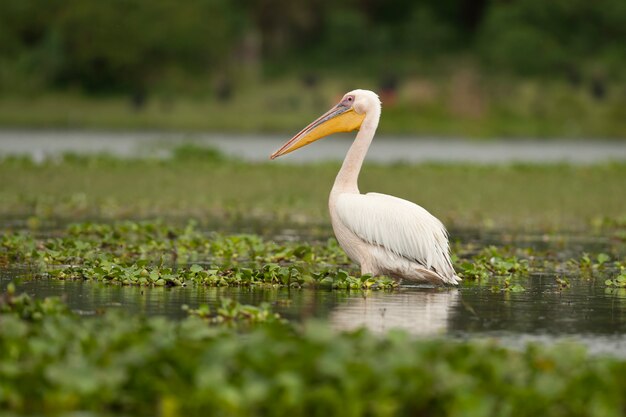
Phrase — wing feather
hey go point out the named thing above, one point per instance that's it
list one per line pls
(402, 227)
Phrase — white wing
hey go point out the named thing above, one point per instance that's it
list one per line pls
(399, 226)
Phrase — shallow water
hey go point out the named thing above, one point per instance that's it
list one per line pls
(586, 312)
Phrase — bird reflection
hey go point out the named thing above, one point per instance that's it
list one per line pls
(422, 312)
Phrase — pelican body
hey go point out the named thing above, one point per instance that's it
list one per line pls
(385, 235)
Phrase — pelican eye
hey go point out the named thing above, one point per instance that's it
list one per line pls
(347, 101)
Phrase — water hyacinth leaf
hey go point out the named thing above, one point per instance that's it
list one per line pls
(129, 251)
(603, 258)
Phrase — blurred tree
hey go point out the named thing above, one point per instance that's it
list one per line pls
(346, 34)
(427, 34)
(132, 45)
(30, 50)
(285, 24)
(119, 44)
(534, 37)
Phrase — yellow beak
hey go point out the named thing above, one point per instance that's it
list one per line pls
(340, 118)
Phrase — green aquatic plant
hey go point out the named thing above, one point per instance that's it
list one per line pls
(563, 283)
(507, 284)
(598, 266)
(154, 254)
(267, 275)
(155, 241)
(588, 264)
(28, 308)
(494, 266)
(232, 312)
(618, 281)
(123, 364)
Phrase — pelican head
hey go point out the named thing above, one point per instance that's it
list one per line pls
(346, 116)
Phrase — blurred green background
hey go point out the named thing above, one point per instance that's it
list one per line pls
(450, 67)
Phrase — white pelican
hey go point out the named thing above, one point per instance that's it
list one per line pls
(385, 235)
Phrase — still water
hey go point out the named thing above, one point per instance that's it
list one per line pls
(586, 312)
(41, 144)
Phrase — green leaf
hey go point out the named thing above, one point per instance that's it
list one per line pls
(603, 258)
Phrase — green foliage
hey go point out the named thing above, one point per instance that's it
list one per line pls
(427, 34)
(590, 265)
(534, 37)
(505, 269)
(491, 262)
(619, 281)
(230, 312)
(154, 254)
(118, 44)
(28, 308)
(135, 46)
(271, 197)
(131, 365)
(191, 152)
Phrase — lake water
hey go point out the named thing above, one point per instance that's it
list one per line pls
(586, 312)
(40, 144)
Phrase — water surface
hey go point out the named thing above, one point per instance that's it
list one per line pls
(41, 144)
(586, 312)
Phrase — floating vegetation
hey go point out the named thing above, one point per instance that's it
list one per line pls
(272, 275)
(619, 281)
(154, 241)
(53, 361)
(29, 308)
(589, 264)
(152, 253)
(563, 283)
(232, 312)
(491, 263)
